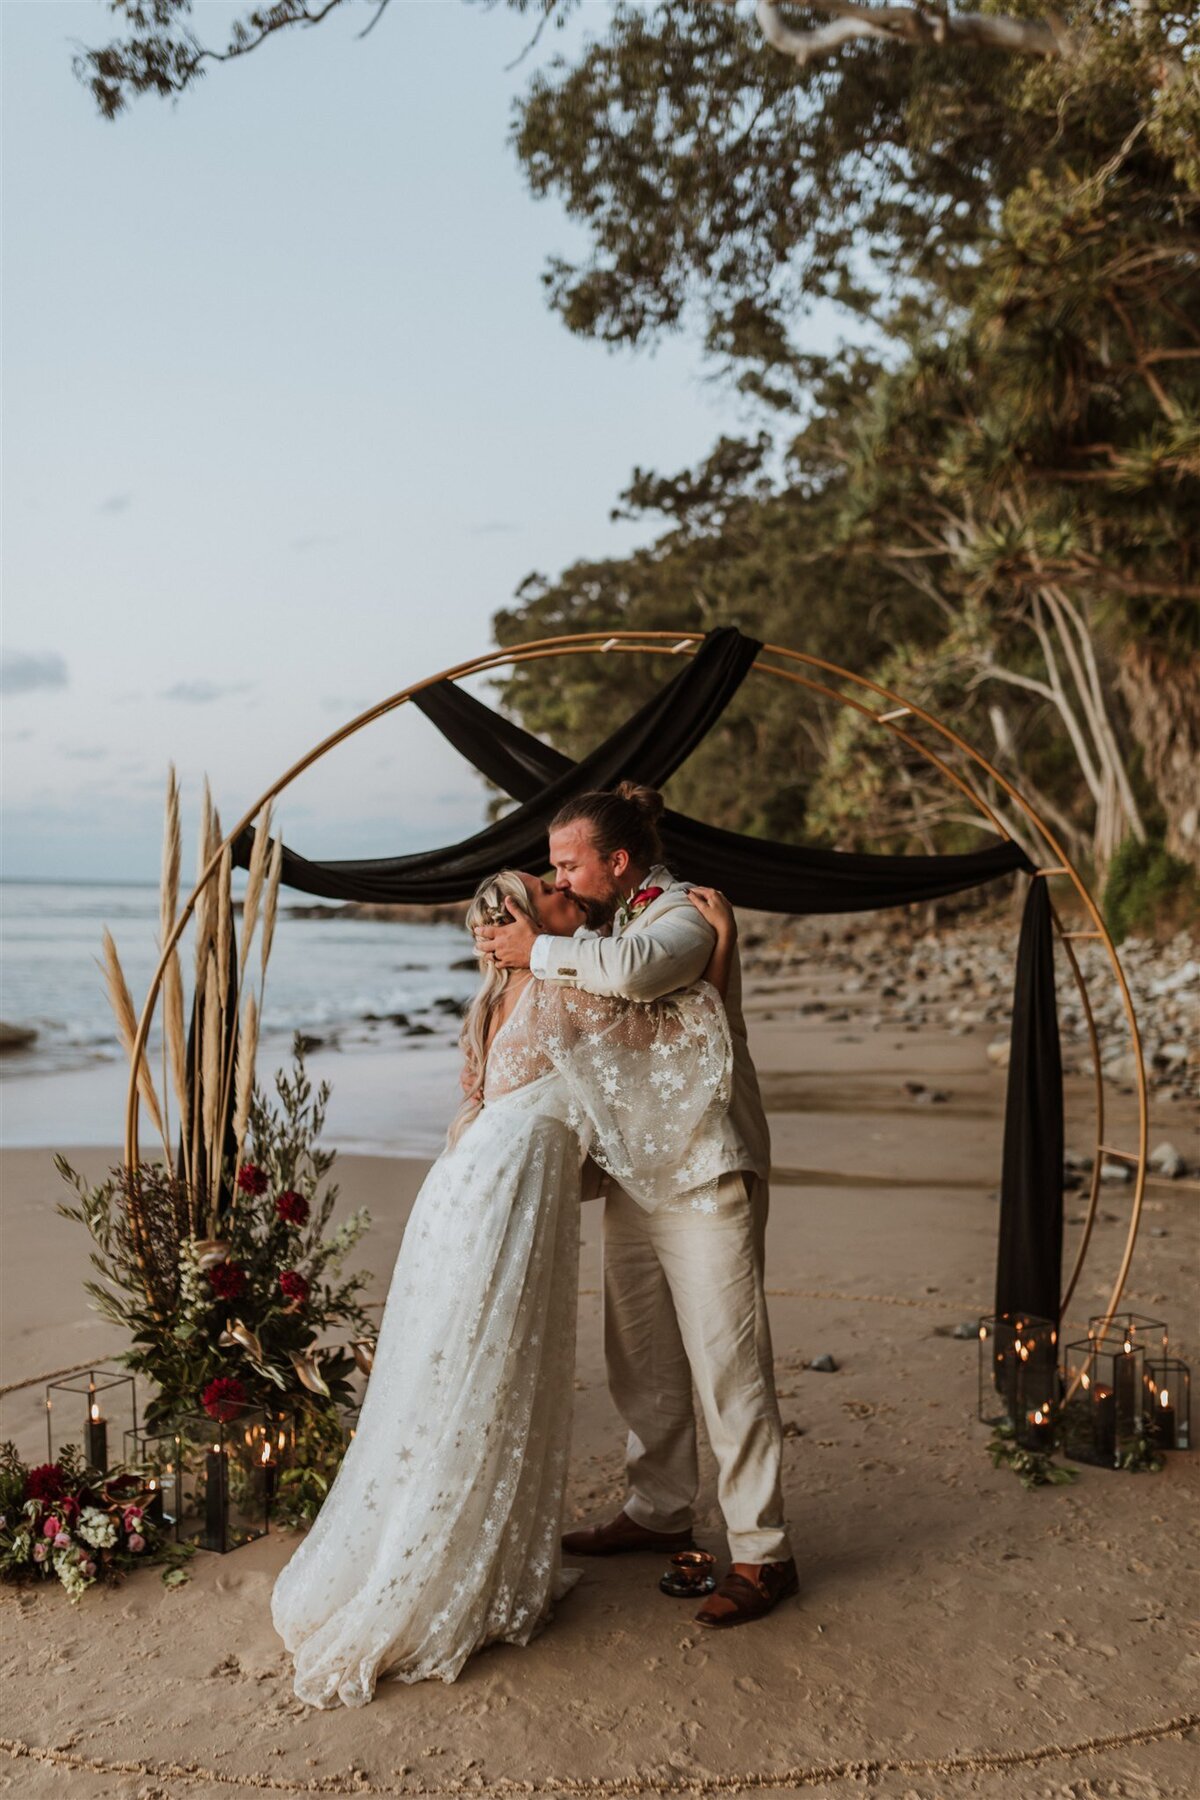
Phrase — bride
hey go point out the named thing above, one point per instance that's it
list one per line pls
(441, 1531)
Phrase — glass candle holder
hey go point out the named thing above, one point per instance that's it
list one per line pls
(1149, 1334)
(154, 1458)
(1103, 1406)
(1018, 1372)
(92, 1409)
(213, 1476)
(1168, 1403)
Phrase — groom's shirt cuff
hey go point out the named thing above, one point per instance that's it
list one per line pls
(555, 958)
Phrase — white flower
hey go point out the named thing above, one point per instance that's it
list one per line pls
(96, 1528)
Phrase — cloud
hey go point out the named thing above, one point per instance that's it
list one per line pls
(316, 540)
(85, 752)
(494, 525)
(198, 692)
(116, 503)
(21, 671)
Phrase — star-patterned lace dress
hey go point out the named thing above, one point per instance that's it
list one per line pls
(440, 1533)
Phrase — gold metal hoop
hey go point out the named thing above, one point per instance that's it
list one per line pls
(889, 717)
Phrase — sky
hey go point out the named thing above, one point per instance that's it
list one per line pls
(286, 420)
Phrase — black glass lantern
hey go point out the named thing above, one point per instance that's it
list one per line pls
(92, 1409)
(1018, 1376)
(1103, 1403)
(1168, 1403)
(153, 1456)
(215, 1477)
(1148, 1334)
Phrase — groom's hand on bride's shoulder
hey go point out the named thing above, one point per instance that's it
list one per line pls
(508, 946)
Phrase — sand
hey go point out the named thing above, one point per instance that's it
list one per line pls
(955, 1635)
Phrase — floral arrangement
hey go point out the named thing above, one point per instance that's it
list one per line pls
(64, 1521)
(233, 1319)
(629, 909)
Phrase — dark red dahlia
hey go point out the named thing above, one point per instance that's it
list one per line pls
(223, 1398)
(292, 1207)
(252, 1180)
(294, 1285)
(226, 1280)
(45, 1482)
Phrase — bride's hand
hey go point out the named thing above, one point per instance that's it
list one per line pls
(712, 905)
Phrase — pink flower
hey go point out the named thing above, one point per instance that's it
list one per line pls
(63, 1541)
(131, 1518)
(137, 1542)
(88, 1567)
(52, 1527)
(41, 1550)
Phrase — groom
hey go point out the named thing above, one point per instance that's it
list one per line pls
(683, 1290)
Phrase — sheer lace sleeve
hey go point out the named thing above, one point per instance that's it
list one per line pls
(649, 1083)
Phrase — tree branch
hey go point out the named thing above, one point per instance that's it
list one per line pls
(919, 24)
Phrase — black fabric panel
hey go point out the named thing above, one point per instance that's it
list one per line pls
(757, 872)
(649, 747)
(1029, 1257)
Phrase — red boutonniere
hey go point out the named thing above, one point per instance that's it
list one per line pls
(641, 900)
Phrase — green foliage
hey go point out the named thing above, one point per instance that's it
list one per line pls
(1033, 1468)
(305, 1481)
(213, 1308)
(1146, 887)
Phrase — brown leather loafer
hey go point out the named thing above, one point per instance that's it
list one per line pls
(621, 1535)
(749, 1596)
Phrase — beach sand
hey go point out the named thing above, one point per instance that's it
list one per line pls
(955, 1634)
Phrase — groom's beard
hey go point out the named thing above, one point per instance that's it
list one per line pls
(596, 913)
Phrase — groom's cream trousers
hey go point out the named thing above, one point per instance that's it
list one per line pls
(684, 1303)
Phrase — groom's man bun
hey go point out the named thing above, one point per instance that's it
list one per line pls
(623, 818)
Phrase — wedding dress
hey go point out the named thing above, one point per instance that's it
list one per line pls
(440, 1533)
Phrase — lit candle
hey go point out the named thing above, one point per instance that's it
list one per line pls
(1104, 1420)
(154, 1500)
(214, 1499)
(1039, 1431)
(270, 1469)
(97, 1436)
(1164, 1421)
(1128, 1410)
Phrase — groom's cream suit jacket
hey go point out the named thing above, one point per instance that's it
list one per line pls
(664, 947)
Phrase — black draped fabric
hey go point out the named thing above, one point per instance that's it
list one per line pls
(754, 872)
(649, 747)
(1029, 1258)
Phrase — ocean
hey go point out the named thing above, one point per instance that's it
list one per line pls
(393, 1090)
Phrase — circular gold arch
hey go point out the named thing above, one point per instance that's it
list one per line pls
(780, 662)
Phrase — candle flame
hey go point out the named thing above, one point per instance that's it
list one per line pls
(1128, 1347)
(266, 1453)
(1164, 1398)
(95, 1413)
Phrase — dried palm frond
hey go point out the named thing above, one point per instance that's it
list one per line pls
(246, 1052)
(204, 906)
(122, 1004)
(271, 903)
(211, 1075)
(254, 883)
(171, 858)
(173, 1029)
(224, 916)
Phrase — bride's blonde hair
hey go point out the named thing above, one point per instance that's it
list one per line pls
(487, 908)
